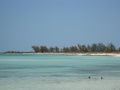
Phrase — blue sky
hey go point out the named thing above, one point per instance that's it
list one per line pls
(24, 23)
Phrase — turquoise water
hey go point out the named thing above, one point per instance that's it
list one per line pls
(19, 68)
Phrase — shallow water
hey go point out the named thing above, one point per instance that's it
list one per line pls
(58, 72)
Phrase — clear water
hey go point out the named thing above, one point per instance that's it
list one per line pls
(18, 69)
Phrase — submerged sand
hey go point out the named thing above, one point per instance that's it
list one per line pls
(65, 83)
(84, 85)
(38, 84)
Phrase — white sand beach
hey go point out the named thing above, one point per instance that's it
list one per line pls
(81, 54)
(101, 54)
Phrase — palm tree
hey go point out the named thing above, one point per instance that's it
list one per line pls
(119, 49)
(51, 49)
(36, 49)
(43, 49)
(57, 49)
(84, 48)
(73, 49)
(79, 47)
(66, 49)
(94, 47)
(110, 48)
(101, 47)
(89, 48)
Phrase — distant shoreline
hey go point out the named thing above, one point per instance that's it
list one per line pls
(76, 54)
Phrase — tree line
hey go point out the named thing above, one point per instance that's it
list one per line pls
(100, 47)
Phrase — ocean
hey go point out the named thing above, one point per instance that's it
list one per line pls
(59, 72)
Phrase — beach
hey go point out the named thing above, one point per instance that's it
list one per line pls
(81, 54)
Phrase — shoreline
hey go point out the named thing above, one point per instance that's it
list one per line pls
(79, 54)
(74, 54)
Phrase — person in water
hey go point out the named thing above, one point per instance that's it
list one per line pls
(89, 77)
(101, 77)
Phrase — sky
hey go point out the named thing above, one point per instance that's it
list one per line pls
(24, 23)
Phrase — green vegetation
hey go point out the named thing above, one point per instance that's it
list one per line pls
(100, 47)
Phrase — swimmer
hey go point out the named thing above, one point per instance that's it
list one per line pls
(89, 77)
(101, 77)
